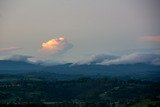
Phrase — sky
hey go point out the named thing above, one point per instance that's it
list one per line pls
(88, 27)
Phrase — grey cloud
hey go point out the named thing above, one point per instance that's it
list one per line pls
(67, 46)
(101, 58)
(8, 51)
(156, 61)
(97, 59)
(24, 58)
(135, 58)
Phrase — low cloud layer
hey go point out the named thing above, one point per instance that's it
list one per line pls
(24, 58)
(97, 59)
(56, 46)
(4, 52)
(135, 58)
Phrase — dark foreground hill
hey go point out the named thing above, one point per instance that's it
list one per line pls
(83, 92)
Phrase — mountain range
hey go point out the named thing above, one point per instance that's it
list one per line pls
(135, 71)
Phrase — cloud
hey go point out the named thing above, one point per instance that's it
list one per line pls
(24, 58)
(146, 57)
(97, 59)
(151, 38)
(9, 49)
(102, 57)
(52, 51)
(134, 58)
(56, 46)
(156, 61)
(48, 62)
(4, 51)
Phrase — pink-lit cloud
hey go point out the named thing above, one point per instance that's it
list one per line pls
(9, 49)
(57, 45)
(151, 38)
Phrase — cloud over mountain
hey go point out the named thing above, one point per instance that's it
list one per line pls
(148, 58)
(24, 58)
(97, 59)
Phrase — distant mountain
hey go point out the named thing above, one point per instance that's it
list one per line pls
(140, 70)
(102, 69)
(7, 66)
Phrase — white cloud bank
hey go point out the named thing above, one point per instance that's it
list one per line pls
(24, 58)
(94, 59)
(134, 58)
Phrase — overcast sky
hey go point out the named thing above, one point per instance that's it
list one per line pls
(91, 26)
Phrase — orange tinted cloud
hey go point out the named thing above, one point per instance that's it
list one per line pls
(56, 45)
(52, 44)
(151, 38)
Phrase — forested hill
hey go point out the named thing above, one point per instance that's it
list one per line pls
(138, 71)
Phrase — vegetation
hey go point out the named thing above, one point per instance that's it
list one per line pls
(25, 90)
